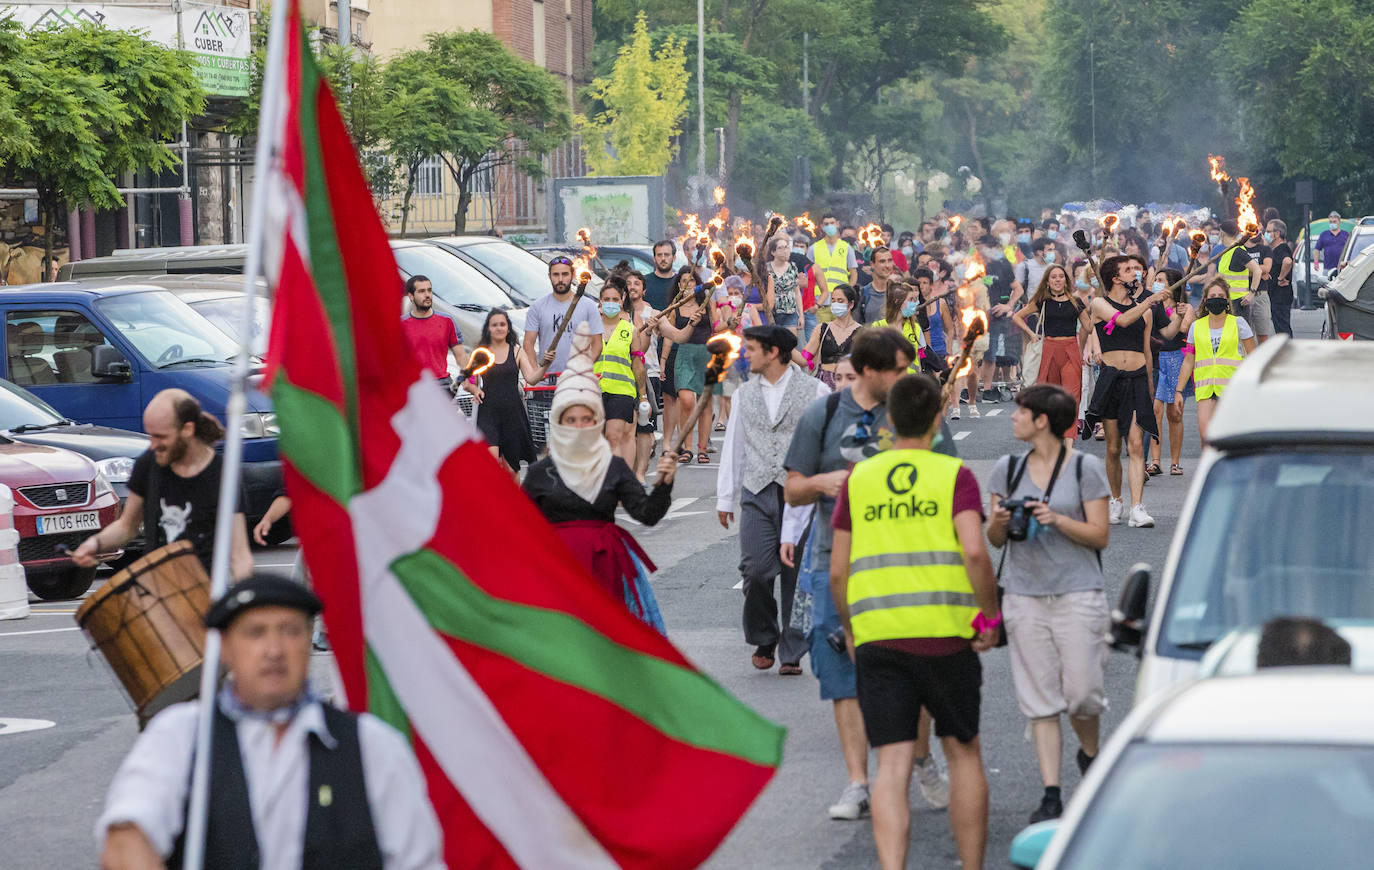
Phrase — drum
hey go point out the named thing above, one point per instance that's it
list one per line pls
(149, 623)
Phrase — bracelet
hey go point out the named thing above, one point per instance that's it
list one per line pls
(983, 623)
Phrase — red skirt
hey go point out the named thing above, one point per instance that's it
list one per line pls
(604, 550)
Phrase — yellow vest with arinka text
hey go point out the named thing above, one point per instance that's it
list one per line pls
(617, 375)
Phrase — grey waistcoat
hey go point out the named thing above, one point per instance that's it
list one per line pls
(766, 441)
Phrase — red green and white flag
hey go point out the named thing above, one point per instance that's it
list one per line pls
(555, 730)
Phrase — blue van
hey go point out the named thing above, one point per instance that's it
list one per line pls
(98, 352)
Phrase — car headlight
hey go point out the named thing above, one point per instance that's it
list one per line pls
(260, 425)
(116, 469)
(102, 485)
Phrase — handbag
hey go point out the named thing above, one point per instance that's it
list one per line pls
(1030, 354)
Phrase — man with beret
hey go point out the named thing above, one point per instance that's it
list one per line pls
(767, 408)
(294, 782)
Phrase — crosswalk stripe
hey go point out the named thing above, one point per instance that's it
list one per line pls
(960, 436)
(993, 413)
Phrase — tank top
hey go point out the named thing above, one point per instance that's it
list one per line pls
(1061, 318)
(831, 350)
(701, 333)
(1131, 337)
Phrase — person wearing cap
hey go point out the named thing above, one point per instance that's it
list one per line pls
(767, 408)
(294, 781)
(579, 485)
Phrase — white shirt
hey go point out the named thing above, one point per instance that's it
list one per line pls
(732, 450)
(150, 788)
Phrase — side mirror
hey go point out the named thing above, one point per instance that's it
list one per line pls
(1028, 847)
(1132, 608)
(108, 363)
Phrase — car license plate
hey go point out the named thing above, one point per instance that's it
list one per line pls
(56, 524)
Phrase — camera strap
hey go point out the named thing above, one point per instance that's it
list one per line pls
(1014, 481)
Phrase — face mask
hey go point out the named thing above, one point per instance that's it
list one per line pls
(1214, 239)
(1023, 238)
(1133, 284)
(1159, 287)
(1215, 305)
(1081, 284)
(1335, 228)
(909, 309)
(739, 263)
(610, 309)
(1268, 238)
(1049, 256)
(1052, 234)
(1004, 238)
(736, 301)
(907, 250)
(830, 230)
(995, 254)
(839, 309)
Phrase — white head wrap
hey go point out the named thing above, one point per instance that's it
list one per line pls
(582, 456)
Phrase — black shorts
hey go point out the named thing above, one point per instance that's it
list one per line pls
(895, 685)
(655, 391)
(619, 407)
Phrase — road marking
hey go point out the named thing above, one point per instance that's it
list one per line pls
(960, 436)
(19, 726)
(51, 612)
(38, 631)
(739, 585)
(993, 413)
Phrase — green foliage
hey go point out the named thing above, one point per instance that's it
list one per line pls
(642, 106)
(468, 100)
(771, 136)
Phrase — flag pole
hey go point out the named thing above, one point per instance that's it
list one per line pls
(268, 121)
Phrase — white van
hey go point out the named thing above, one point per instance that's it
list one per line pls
(1280, 517)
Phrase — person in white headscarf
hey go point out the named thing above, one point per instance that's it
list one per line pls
(579, 485)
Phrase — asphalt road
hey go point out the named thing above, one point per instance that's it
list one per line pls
(53, 776)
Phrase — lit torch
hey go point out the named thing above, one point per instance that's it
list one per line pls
(584, 277)
(744, 249)
(775, 223)
(1108, 222)
(871, 236)
(1218, 167)
(719, 195)
(975, 324)
(584, 235)
(807, 224)
(724, 348)
(1245, 207)
(481, 360)
(955, 222)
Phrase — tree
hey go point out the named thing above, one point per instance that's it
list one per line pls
(482, 108)
(771, 137)
(97, 102)
(642, 104)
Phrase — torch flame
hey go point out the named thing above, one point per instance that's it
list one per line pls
(806, 223)
(1109, 221)
(719, 194)
(724, 347)
(717, 256)
(744, 245)
(974, 315)
(584, 235)
(955, 222)
(974, 268)
(1245, 206)
(871, 236)
(476, 368)
(1180, 224)
(717, 223)
(583, 270)
(1218, 165)
(1198, 238)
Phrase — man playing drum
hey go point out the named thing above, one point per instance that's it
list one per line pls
(174, 488)
(294, 782)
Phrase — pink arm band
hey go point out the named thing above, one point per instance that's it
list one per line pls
(809, 356)
(637, 354)
(1189, 350)
(1111, 324)
(982, 623)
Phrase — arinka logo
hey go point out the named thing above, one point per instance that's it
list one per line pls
(901, 480)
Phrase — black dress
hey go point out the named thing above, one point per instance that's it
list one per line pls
(501, 417)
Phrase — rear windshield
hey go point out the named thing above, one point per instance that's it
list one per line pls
(1275, 534)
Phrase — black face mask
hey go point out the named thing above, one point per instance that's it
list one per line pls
(1133, 284)
(1216, 305)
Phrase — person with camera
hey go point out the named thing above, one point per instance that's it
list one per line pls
(1049, 514)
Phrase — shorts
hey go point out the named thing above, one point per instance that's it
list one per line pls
(655, 397)
(619, 407)
(834, 670)
(895, 685)
(1257, 314)
(1058, 646)
(785, 319)
(1002, 348)
(1166, 376)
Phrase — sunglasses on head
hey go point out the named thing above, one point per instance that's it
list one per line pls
(560, 261)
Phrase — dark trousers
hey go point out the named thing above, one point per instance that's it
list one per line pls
(760, 534)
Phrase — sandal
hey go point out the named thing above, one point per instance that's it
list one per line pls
(1153, 469)
(684, 456)
(719, 427)
(789, 669)
(1176, 469)
(703, 459)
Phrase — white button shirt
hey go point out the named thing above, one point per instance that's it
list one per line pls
(732, 449)
(150, 787)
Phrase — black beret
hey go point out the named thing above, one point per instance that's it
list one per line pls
(261, 590)
(774, 336)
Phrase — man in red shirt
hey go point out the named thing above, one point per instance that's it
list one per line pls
(432, 336)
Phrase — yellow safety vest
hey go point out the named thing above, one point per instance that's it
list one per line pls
(912, 330)
(1239, 282)
(617, 375)
(833, 264)
(1213, 371)
(906, 566)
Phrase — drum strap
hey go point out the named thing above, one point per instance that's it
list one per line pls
(339, 830)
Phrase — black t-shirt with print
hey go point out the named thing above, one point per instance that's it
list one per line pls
(178, 508)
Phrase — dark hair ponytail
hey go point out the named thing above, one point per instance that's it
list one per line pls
(208, 429)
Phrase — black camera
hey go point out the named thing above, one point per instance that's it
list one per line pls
(1018, 524)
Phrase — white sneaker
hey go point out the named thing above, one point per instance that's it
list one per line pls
(973, 412)
(934, 783)
(853, 803)
(954, 413)
(1139, 519)
(1115, 508)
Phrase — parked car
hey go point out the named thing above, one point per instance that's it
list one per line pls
(60, 499)
(1277, 520)
(1361, 237)
(521, 274)
(216, 297)
(189, 259)
(1350, 300)
(98, 352)
(640, 257)
(1232, 773)
(1236, 653)
(461, 290)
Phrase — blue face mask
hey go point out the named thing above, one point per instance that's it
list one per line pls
(907, 250)
(1052, 234)
(739, 264)
(839, 309)
(830, 230)
(610, 309)
(1159, 287)
(1081, 284)
(1023, 238)
(909, 308)
(1049, 256)
(1268, 238)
